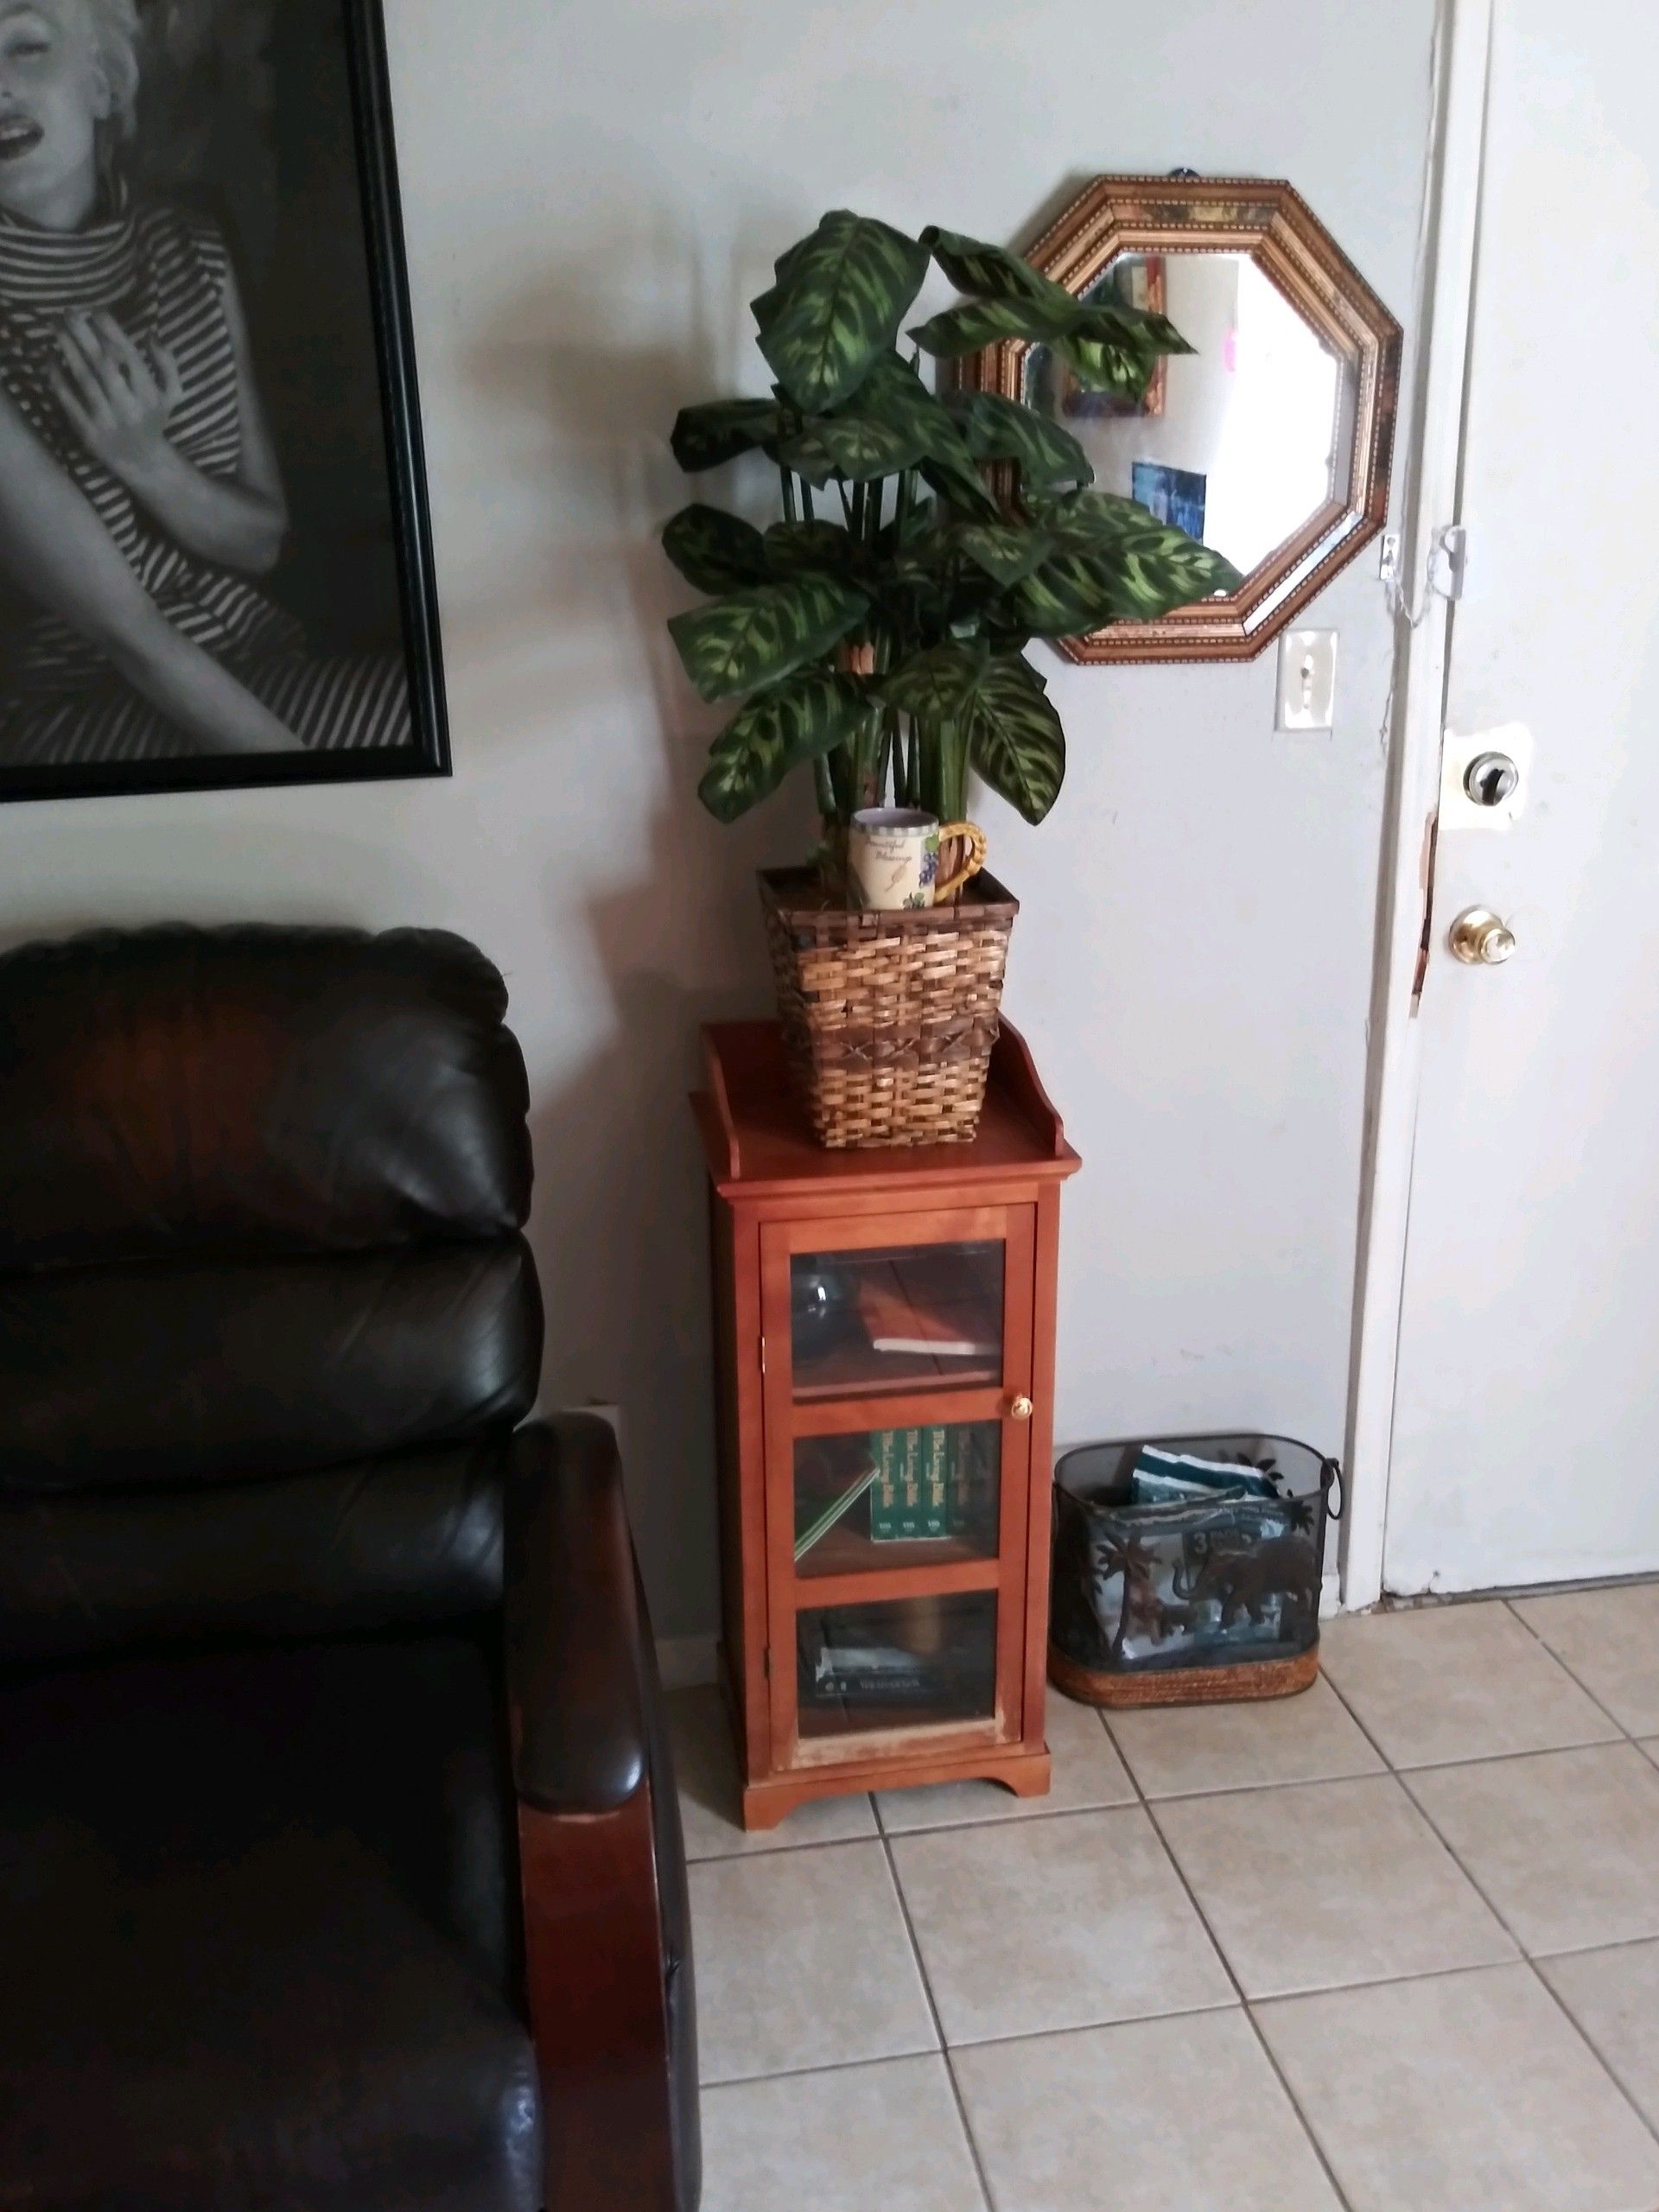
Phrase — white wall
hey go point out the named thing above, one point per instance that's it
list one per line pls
(592, 193)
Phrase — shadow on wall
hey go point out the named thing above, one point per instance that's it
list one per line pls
(620, 1224)
(674, 937)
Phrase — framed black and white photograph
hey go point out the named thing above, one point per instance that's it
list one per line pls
(215, 567)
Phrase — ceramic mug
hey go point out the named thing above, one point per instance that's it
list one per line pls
(892, 857)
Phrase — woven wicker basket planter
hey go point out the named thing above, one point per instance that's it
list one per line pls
(889, 1020)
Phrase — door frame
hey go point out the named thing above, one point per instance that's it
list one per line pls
(1425, 617)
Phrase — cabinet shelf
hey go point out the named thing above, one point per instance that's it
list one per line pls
(843, 1374)
(844, 1551)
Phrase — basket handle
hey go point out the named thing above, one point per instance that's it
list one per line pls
(1335, 1512)
(974, 838)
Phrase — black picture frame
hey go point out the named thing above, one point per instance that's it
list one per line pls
(363, 33)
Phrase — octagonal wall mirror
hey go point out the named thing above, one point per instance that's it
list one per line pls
(1271, 441)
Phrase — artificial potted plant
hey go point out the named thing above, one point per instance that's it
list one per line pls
(879, 637)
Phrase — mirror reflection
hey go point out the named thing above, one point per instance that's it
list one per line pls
(1241, 443)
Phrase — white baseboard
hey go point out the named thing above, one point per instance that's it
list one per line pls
(687, 1662)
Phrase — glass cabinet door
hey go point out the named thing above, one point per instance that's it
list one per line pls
(900, 1663)
(897, 1363)
(882, 1498)
(923, 1317)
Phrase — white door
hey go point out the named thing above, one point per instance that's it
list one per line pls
(1526, 1431)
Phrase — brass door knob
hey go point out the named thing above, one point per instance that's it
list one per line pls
(1021, 1409)
(1480, 940)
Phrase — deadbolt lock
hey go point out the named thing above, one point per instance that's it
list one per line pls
(1491, 779)
(1480, 939)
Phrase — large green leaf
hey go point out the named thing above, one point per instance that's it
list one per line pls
(718, 431)
(1162, 568)
(856, 447)
(1006, 551)
(790, 723)
(1111, 348)
(1001, 429)
(1088, 519)
(894, 393)
(1123, 366)
(979, 323)
(990, 271)
(997, 702)
(1068, 596)
(1159, 561)
(757, 637)
(838, 301)
(960, 487)
(713, 550)
(1114, 561)
(1115, 318)
(793, 548)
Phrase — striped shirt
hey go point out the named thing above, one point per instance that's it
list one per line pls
(162, 274)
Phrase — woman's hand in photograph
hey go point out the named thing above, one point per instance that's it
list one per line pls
(118, 403)
(54, 549)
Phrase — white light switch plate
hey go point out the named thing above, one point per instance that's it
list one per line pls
(1307, 680)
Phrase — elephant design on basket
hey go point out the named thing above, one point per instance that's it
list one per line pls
(1208, 1586)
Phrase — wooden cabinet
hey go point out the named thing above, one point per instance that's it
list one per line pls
(886, 1350)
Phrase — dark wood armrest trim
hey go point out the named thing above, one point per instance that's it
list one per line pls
(599, 2007)
(577, 1662)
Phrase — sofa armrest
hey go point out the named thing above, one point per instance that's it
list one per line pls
(607, 1964)
(578, 1662)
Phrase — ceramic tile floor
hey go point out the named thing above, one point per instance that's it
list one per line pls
(1393, 1946)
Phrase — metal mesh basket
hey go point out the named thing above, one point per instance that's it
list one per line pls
(1189, 1568)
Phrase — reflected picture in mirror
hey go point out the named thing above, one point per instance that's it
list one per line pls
(1270, 441)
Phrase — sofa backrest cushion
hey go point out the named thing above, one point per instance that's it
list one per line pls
(260, 1192)
(387, 1543)
(264, 1089)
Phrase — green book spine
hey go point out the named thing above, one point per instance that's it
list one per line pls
(883, 1498)
(910, 1485)
(936, 1489)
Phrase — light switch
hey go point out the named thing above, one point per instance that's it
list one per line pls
(1307, 680)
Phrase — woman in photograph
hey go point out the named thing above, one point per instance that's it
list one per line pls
(139, 490)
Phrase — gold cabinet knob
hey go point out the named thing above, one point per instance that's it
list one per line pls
(1021, 1409)
(1480, 939)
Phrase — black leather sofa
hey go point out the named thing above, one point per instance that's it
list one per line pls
(340, 1859)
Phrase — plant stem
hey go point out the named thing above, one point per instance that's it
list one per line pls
(901, 503)
(841, 776)
(788, 483)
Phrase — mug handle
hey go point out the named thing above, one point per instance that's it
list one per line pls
(974, 838)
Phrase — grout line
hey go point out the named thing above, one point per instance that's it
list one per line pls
(1544, 1644)
(1268, 2052)
(1147, 1807)
(781, 1848)
(984, 2179)
(819, 2066)
(987, 2043)
(1503, 1758)
(1351, 1710)
(1531, 1964)
(1093, 2027)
